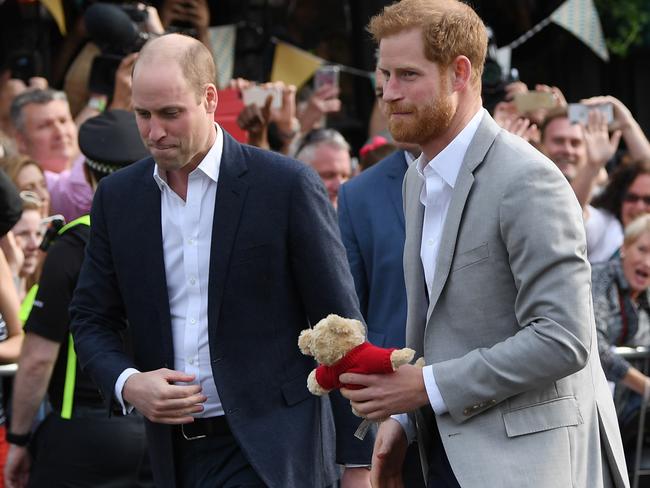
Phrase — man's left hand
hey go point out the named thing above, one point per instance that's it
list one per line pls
(386, 394)
(356, 477)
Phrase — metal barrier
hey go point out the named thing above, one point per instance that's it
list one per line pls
(639, 357)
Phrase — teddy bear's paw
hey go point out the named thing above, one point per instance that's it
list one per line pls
(313, 386)
(401, 356)
(420, 363)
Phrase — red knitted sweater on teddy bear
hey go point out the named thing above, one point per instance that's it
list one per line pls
(364, 359)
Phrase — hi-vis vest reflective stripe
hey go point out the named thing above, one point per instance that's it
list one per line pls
(71, 366)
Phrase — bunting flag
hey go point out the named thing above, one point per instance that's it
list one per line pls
(55, 7)
(222, 42)
(293, 65)
(580, 17)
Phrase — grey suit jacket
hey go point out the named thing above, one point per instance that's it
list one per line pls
(509, 327)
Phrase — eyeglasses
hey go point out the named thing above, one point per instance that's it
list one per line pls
(634, 198)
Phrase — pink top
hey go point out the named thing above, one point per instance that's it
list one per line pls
(70, 192)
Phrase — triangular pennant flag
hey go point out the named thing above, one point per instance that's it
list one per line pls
(222, 41)
(292, 65)
(55, 7)
(580, 17)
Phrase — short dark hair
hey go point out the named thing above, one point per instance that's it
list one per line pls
(551, 115)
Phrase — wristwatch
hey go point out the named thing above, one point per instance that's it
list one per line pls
(18, 439)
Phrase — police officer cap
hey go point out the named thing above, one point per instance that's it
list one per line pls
(111, 141)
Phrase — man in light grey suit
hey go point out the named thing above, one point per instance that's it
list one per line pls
(498, 284)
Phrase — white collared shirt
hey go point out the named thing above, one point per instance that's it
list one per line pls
(439, 176)
(187, 239)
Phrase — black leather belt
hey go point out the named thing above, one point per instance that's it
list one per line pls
(205, 427)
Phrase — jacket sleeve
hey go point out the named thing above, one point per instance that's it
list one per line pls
(97, 312)
(540, 225)
(324, 281)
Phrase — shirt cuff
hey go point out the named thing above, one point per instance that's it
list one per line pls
(433, 392)
(407, 424)
(119, 384)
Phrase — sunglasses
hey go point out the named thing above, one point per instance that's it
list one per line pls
(634, 198)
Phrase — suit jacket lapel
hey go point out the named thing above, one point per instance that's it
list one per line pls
(396, 172)
(150, 230)
(231, 194)
(413, 270)
(478, 148)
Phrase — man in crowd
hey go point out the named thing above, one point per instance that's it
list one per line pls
(45, 131)
(327, 151)
(497, 281)
(217, 255)
(44, 128)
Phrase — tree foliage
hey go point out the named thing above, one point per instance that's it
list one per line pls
(626, 23)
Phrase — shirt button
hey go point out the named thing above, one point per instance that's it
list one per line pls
(192, 321)
(190, 241)
(430, 242)
(192, 281)
(190, 360)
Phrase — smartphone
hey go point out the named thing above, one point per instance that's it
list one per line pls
(579, 113)
(257, 95)
(326, 75)
(533, 100)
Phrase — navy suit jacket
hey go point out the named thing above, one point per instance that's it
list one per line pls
(277, 265)
(371, 219)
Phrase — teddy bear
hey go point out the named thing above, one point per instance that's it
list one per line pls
(339, 346)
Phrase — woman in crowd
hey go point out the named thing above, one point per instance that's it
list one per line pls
(626, 197)
(622, 308)
(28, 233)
(27, 175)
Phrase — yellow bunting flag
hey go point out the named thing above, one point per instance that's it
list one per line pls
(292, 65)
(55, 7)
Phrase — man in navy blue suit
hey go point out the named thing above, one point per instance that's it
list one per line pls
(217, 255)
(371, 219)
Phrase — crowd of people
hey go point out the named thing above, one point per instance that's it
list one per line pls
(155, 274)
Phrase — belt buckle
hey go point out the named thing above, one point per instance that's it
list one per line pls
(191, 437)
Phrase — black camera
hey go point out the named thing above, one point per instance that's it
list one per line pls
(116, 29)
(25, 64)
(494, 79)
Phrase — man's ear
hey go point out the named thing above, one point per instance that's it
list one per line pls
(461, 73)
(211, 98)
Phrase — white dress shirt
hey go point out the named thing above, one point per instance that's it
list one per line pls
(186, 240)
(439, 176)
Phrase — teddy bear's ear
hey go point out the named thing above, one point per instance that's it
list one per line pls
(304, 342)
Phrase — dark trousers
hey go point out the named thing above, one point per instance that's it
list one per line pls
(412, 471)
(214, 460)
(90, 450)
(440, 472)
